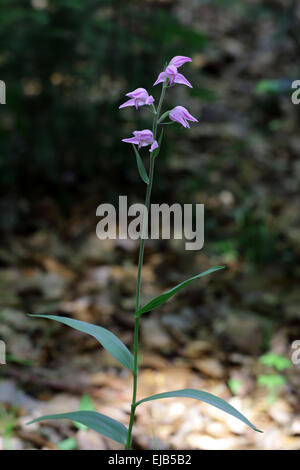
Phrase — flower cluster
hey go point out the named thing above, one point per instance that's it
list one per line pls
(172, 73)
(140, 97)
(142, 139)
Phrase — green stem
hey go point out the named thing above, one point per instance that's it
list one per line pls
(136, 319)
(156, 118)
(139, 275)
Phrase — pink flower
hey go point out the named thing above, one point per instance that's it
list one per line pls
(179, 60)
(138, 97)
(181, 115)
(173, 75)
(142, 139)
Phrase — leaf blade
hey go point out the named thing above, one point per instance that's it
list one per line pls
(206, 398)
(106, 338)
(162, 298)
(100, 423)
(140, 165)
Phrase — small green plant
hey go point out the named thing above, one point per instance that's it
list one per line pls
(8, 421)
(273, 381)
(235, 385)
(69, 443)
(85, 404)
(275, 360)
(93, 420)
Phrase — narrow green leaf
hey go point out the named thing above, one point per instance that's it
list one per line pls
(108, 340)
(102, 424)
(156, 151)
(154, 303)
(205, 397)
(140, 165)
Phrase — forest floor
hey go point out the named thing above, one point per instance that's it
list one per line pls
(210, 337)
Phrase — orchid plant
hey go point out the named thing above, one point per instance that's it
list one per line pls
(143, 138)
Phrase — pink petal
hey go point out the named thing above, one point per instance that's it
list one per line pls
(176, 113)
(182, 121)
(150, 100)
(131, 140)
(179, 118)
(171, 70)
(174, 116)
(138, 93)
(185, 123)
(161, 78)
(145, 134)
(179, 60)
(153, 146)
(182, 80)
(192, 118)
(143, 144)
(127, 103)
(188, 116)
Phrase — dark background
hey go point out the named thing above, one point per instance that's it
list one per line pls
(67, 65)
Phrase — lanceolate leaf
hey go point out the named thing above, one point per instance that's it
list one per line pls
(161, 299)
(108, 340)
(103, 424)
(205, 397)
(140, 165)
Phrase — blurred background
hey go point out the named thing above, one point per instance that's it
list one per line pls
(67, 65)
